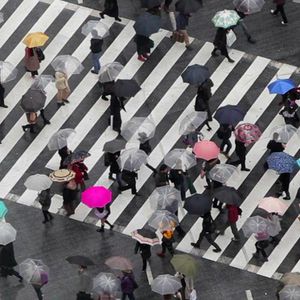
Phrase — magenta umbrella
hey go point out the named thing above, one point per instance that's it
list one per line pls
(206, 150)
(96, 196)
(247, 133)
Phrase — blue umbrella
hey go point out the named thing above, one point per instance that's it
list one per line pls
(229, 114)
(3, 209)
(281, 162)
(195, 74)
(147, 24)
(281, 86)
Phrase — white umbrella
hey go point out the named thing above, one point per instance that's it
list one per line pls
(8, 71)
(106, 283)
(110, 72)
(192, 121)
(67, 64)
(132, 159)
(34, 271)
(38, 182)
(249, 6)
(60, 139)
(7, 233)
(222, 172)
(163, 220)
(166, 284)
(96, 28)
(41, 82)
(180, 159)
(283, 133)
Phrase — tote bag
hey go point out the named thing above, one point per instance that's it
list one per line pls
(231, 38)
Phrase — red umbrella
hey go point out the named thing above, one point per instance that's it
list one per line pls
(96, 196)
(206, 150)
(247, 133)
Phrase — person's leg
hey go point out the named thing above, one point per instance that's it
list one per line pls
(280, 8)
(133, 188)
(246, 31)
(13, 272)
(144, 263)
(131, 296)
(186, 37)
(224, 52)
(96, 63)
(286, 185)
(170, 248)
(109, 224)
(46, 121)
(211, 241)
(46, 219)
(201, 236)
(123, 296)
(235, 231)
(38, 291)
(25, 127)
(229, 146)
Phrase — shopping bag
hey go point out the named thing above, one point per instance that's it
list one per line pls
(231, 38)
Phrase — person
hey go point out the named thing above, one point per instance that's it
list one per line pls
(38, 285)
(187, 286)
(224, 133)
(2, 92)
(96, 48)
(80, 170)
(280, 8)
(102, 213)
(206, 167)
(32, 120)
(274, 146)
(108, 89)
(192, 138)
(166, 6)
(143, 47)
(260, 247)
(167, 243)
(208, 227)
(31, 61)
(85, 283)
(177, 177)
(284, 179)
(44, 198)
(63, 89)
(182, 22)
(69, 196)
(116, 104)
(145, 252)
(64, 152)
(128, 285)
(144, 143)
(111, 160)
(162, 177)
(220, 43)
(240, 150)
(289, 113)
(241, 22)
(111, 9)
(129, 177)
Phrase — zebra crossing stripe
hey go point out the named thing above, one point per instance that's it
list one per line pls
(3, 3)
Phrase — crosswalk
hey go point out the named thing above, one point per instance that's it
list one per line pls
(165, 99)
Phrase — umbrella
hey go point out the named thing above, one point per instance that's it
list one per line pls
(80, 260)
(145, 236)
(151, 3)
(114, 146)
(126, 88)
(62, 175)
(185, 264)
(206, 150)
(290, 292)
(33, 100)
(249, 6)
(256, 225)
(38, 182)
(228, 194)
(260, 212)
(281, 162)
(195, 74)
(225, 18)
(138, 128)
(96, 196)
(67, 64)
(110, 72)
(188, 6)
(222, 172)
(76, 156)
(96, 28)
(229, 114)
(60, 139)
(292, 278)
(7, 233)
(274, 225)
(119, 263)
(273, 205)
(283, 133)
(132, 159)
(34, 271)
(41, 82)
(165, 197)
(163, 220)
(197, 204)
(166, 284)
(281, 86)
(106, 283)
(192, 121)
(180, 159)
(147, 24)
(8, 71)
(247, 133)
(35, 39)
(3, 209)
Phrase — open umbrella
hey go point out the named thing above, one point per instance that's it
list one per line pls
(274, 225)
(228, 195)
(206, 150)
(8, 71)
(76, 156)
(34, 271)
(197, 204)
(119, 263)
(281, 86)
(292, 278)
(38, 182)
(255, 225)
(60, 139)
(151, 3)
(273, 205)
(180, 159)
(110, 72)
(3, 209)
(290, 292)
(284, 133)
(97, 26)
(114, 146)
(185, 264)
(222, 172)
(281, 162)
(67, 64)
(145, 236)
(249, 6)
(166, 284)
(62, 175)
(96, 196)
(7, 233)
(106, 283)
(35, 39)
(247, 133)
(33, 100)
(126, 88)
(80, 260)
(225, 18)
(147, 24)
(132, 159)
(195, 74)
(260, 212)
(188, 6)
(163, 220)
(40, 82)
(229, 114)
(192, 121)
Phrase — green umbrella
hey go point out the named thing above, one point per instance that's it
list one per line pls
(225, 18)
(185, 264)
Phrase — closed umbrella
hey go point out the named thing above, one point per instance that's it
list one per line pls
(38, 182)
(126, 88)
(7, 233)
(40, 82)
(3, 209)
(35, 39)
(106, 283)
(292, 278)
(110, 72)
(166, 284)
(145, 236)
(195, 74)
(76, 156)
(95, 26)
(151, 3)
(192, 121)
(147, 24)
(206, 150)
(188, 6)
(180, 159)
(185, 264)
(273, 205)
(67, 64)
(281, 162)
(228, 195)
(225, 18)
(114, 146)
(80, 260)
(34, 271)
(33, 100)
(8, 71)
(62, 175)
(163, 220)
(290, 292)
(255, 225)
(249, 6)
(281, 86)
(197, 204)
(60, 139)
(229, 114)
(284, 133)
(247, 133)
(132, 159)
(222, 172)
(119, 263)
(96, 196)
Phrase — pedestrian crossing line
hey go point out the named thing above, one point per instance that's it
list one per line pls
(3, 3)
(296, 268)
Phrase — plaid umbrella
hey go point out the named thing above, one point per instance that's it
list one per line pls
(247, 133)
(126, 88)
(145, 236)
(281, 86)
(114, 146)
(33, 100)
(197, 204)
(225, 18)
(195, 74)
(229, 114)
(147, 24)
(249, 6)
(228, 194)
(188, 6)
(281, 162)
(8, 71)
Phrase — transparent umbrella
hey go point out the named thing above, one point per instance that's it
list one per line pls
(8, 71)
(166, 284)
(283, 133)
(192, 121)
(60, 139)
(7, 233)
(290, 292)
(110, 72)
(163, 220)
(106, 283)
(96, 28)
(34, 271)
(41, 82)
(180, 159)
(255, 225)
(222, 172)
(249, 6)
(67, 64)
(132, 159)
(38, 182)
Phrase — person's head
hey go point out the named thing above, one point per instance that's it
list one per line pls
(142, 136)
(163, 168)
(275, 136)
(94, 34)
(100, 209)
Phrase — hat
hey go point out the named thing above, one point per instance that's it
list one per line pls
(62, 175)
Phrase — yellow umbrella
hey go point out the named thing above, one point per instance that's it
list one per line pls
(35, 39)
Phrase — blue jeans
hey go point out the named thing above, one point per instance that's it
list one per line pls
(96, 62)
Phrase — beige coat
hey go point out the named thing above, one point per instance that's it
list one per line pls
(31, 61)
(61, 83)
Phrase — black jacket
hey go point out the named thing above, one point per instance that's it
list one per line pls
(2, 91)
(111, 8)
(145, 250)
(176, 176)
(96, 45)
(161, 179)
(112, 160)
(7, 256)
(220, 40)
(116, 104)
(224, 132)
(146, 147)
(274, 146)
(240, 148)
(129, 177)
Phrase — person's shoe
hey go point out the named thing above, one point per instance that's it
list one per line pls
(118, 19)
(104, 98)
(272, 12)
(59, 104)
(195, 245)
(45, 221)
(287, 197)
(217, 250)
(214, 54)
(279, 194)
(136, 194)
(46, 122)
(235, 240)
(160, 254)
(66, 101)
(142, 58)
(24, 128)
(245, 169)
(101, 15)
(101, 229)
(94, 72)
(251, 40)
(189, 47)
(4, 106)
(111, 178)
(230, 60)
(208, 128)
(283, 23)
(112, 227)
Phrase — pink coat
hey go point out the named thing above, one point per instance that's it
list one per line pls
(31, 60)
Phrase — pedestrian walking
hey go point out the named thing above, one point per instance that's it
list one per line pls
(111, 160)
(182, 22)
(280, 9)
(69, 197)
(284, 180)
(240, 150)
(206, 167)
(224, 133)
(289, 113)
(2, 92)
(38, 286)
(128, 285)
(44, 198)
(111, 9)
(129, 177)
(167, 243)
(102, 213)
(63, 89)
(241, 23)
(32, 120)
(63, 153)
(220, 43)
(274, 146)
(31, 61)
(80, 170)
(260, 247)
(108, 89)
(116, 105)
(85, 284)
(145, 252)
(143, 47)
(162, 176)
(177, 177)
(96, 48)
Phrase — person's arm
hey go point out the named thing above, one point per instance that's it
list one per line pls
(137, 246)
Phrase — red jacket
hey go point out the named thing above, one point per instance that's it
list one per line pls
(233, 213)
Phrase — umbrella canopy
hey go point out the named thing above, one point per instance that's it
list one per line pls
(274, 225)
(163, 220)
(7, 233)
(281, 86)
(67, 64)
(119, 263)
(76, 156)
(188, 6)
(147, 24)
(96, 196)
(284, 133)
(165, 197)
(166, 284)
(3, 209)
(260, 212)
(110, 72)
(225, 18)
(80, 260)
(60, 139)
(126, 88)
(195, 74)
(132, 159)
(249, 6)
(180, 159)
(192, 121)
(33, 100)
(292, 278)
(228, 195)
(197, 204)
(273, 205)
(185, 264)
(106, 283)
(281, 162)
(38, 182)
(8, 71)
(256, 225)
(229, 114)
(114, 146)
(34, 271)
(206, 150)
(290, 292)
(97, 28)
(62, 175)
(222, 172)
(151, 3)
(35, 39)
(145, 236)
(138, 128)
(41, 82)
(247, 133)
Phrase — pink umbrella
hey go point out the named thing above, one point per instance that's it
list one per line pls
(206, 150)
(247, 133)
(271, 204)
(96, 196)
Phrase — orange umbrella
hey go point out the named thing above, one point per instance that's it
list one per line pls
(206, 150)
(35, 39)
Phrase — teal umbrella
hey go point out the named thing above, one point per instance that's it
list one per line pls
(225, 18)
(3, 209)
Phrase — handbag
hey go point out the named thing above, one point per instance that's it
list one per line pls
(230, 37)
(177, 37)
(40, 54)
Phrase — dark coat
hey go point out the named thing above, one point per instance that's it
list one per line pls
(161, 179)
(220, 40)
(127, 283)
(274, 146)
(112, 160)
(111, 8)
(2, 91)
(44, 198)
(224, 132)
(143, 44)
(146, 147)
(176, 176)
(96, 45)
(129, 177)
(63, 153)
(145, 250)
(240, 148)
(7, 256)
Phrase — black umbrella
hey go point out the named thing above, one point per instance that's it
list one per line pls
(114, 146)
(80, 260)
(228, 195)
(188, 6)
(195, 74)
(260, 212)
(126, 88)
(198, 204)
(151, 3)
(229, 114)
(147, 24)
(33, 100)
(76, 156)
